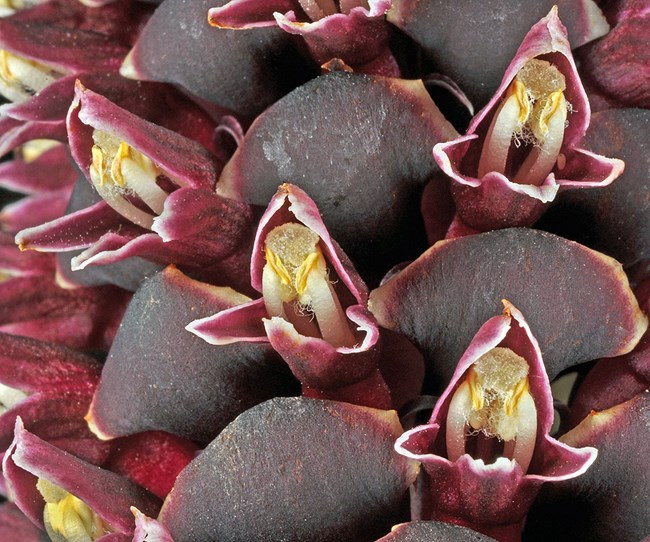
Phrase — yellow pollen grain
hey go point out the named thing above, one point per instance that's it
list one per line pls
(124, 151)
(497, 381)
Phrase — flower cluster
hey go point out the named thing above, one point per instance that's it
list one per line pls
(324, 270)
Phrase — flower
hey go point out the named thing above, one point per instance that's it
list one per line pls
(312, 308)
(486, 449)
(355, 31)
(522, 147)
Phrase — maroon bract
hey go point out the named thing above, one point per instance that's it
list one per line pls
(327, 472)
(524, 145)
(474, 44)
(355, 31)
(447, 293)
(486, 449)
(615, 219)
(259, 67)
(313, 306)
(611, 500)
(364, 165)
(167, 379)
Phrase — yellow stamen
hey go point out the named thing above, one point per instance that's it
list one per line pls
(302, 274)
(544, 112)
(68, 516)
(5, 72)
(276, 264)
(124, 151)
(497, 381)
(519, 90)
(513, 400)
(99, 163)
(475, 390)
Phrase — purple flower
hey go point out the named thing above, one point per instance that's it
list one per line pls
(523, 146)
(486, 449)
(313, 306)
(354, 31)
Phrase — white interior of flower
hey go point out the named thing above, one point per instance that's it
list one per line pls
(67, 518)
(121, 173)
(534, 114)
(21, 78)
(295, 285)
(494, 400)
(9, 397)
(317, 9)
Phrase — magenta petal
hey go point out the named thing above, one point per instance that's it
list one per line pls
(618, 64)
(189, 162)
(309, 445)
(71, 50)
(206, 224)
(318, 364)
(59, 420)
(358, 37)
(31, 365)
(15, 262)
(33, 210)
(82, 318)
(148, 529)
(246, 14)
(27, 177)
(108, 494)
(77, 230)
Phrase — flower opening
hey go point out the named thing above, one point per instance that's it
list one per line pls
(525, 136)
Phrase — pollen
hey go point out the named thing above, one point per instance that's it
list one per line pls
(497, 380)
(292, 252)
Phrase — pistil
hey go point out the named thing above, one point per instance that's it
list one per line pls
(534, 114)
(295, 285)
(494, 400)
